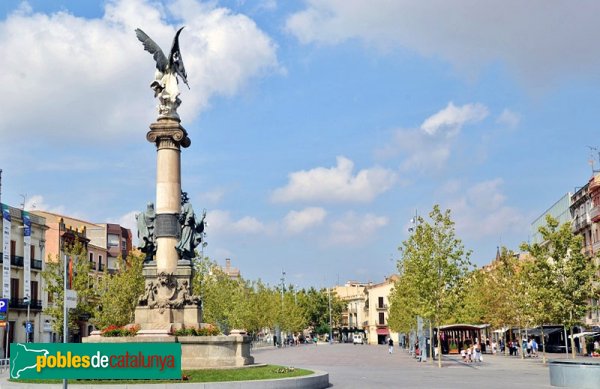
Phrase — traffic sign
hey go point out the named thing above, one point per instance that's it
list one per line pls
(4, 305)
(29, 327)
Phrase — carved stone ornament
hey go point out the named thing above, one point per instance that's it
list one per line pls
(167, 292)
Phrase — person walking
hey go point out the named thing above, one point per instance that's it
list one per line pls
(391, 345)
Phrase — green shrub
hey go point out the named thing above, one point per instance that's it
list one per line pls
(192, 331)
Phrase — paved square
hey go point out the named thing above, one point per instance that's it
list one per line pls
(369, 366)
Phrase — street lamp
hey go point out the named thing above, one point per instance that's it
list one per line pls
(330, 328)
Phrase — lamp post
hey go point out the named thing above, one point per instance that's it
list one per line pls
(27, 300)
(330, 328)
(65, 311)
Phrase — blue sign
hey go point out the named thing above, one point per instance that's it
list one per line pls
(29, 327)
(3, 305)
(26, 224)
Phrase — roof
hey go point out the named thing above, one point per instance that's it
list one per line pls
(463, 327)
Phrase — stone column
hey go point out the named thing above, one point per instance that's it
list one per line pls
(169, 136)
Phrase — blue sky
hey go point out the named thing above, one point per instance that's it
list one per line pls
(318, 127)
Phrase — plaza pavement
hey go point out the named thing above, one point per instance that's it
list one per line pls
(370, 366)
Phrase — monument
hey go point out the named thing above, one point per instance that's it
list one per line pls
(169, 232)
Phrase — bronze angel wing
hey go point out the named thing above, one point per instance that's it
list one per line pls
(175, 60)
(151, 47)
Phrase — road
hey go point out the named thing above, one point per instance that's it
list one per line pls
(370, 366)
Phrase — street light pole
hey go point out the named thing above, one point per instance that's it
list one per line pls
(27, 325)
(65, 311)
(330, 328)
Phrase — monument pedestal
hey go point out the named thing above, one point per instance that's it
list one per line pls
(167, 304)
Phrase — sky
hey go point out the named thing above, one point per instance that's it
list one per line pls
(319, 128)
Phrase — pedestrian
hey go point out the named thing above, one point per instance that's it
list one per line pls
(391, 345)
(534, 347)
(529, 348)
(477, 352)
(469, 353)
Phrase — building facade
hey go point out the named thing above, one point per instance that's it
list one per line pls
(353, 294)
(377, 306)
(23, 247)
(103, 243)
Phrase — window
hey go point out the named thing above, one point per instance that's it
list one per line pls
(113, 240)
(13, 248)
(14, 288)
(34, 291)
(381, 318)
(380, 302)
(99, 261)
(32, 252)
(91, 257)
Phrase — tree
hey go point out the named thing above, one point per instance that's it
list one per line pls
(434, 264)
(80, 281)
(316, 305)
(121, 292)
(561, 277)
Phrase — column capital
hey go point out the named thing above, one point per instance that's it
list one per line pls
(168, 130)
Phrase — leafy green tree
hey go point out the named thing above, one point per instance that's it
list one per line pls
(434, 263)
(81, 282)
(560, 275)
(316, 305)
(120, 292)
(402, 310)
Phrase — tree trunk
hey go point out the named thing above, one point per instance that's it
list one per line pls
(439, 347)
(543, 345)
(431, 342)
(572, 343)
(519, 348)
(505, 344)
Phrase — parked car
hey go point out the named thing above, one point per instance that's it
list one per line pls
(357, 339)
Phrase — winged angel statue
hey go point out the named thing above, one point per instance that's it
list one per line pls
(165, 84)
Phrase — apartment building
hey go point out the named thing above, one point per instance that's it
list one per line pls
(353, 294)
(377, 306)
(103, 242)
(23, 247)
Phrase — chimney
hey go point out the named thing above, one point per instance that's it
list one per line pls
(227, 263)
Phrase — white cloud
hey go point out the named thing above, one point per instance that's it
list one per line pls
(89, 78)
(336, 184)
(298, 221)
(37, 203)
(540, 42)
(509, 118)
(481, 211)
(354, 230)
(452, 118)
(429, 147)
(219, 221)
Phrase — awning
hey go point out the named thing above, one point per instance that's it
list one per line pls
(538, 332)
(591, 334)
(383, 331)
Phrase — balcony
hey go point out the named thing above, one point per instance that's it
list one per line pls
(20, 304)
(596, 246)
(100, 267)
(595, 213)
(36, 264)
(580, 222)
(16, 260)
(382, 307)
(92, 265)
